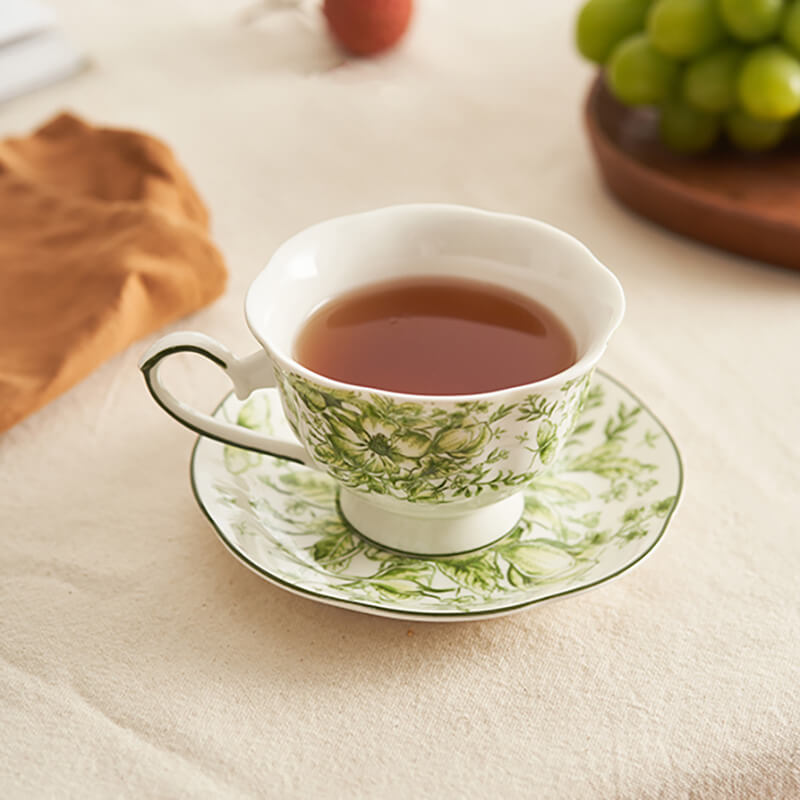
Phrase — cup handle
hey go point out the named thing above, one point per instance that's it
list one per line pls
(247, 374)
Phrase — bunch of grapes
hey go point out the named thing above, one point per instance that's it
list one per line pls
(708, 65)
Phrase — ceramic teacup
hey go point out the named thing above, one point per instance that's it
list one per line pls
(417, 473)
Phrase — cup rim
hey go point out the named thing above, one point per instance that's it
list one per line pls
(580, 368)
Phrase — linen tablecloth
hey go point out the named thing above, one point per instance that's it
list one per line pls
(138, 659)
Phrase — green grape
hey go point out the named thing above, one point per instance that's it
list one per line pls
(749, 133)
(687, 130)
(769, 83)
(751, 20)
(602, 24)
(709, 83)
(638, 74)
(790, 28)
(684, 28)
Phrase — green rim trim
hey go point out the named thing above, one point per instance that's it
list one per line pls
(388, 611)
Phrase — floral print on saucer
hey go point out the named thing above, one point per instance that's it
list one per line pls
(600, 509)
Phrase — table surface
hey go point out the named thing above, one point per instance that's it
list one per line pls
(140, 660)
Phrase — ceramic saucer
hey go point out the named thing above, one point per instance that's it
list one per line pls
(597, 513)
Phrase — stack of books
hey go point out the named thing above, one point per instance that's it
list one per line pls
(34, 52)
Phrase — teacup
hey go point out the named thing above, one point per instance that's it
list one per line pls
(417, 473)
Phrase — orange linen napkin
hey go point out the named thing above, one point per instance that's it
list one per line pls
(103, 239)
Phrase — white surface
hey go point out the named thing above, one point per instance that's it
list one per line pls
(20, 18)
(139, 660)
(431, 535)
(33, 53)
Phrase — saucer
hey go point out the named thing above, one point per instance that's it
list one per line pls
(598, 512)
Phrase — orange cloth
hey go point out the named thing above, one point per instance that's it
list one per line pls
(103, 239)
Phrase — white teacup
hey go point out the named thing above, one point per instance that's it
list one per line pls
(418, 473)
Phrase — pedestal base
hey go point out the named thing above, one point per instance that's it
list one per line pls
(436, 535)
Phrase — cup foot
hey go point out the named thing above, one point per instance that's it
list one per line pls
(431, 536)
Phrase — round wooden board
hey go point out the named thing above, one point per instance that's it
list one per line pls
(748, 204)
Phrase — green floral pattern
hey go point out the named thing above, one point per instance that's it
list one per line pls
(425, 452)
(599, 509)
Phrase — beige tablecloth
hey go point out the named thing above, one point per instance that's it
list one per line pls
(138, 659)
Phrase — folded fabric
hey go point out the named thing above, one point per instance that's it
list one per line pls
(103, 239)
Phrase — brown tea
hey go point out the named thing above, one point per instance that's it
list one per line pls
(434, 335)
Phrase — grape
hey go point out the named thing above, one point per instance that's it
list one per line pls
(602, 24)
(769, 83)
(686, 130)
(638, 74)
(749, 133)
(751, 20)
(684, 28)
(709, 83)
(790, 29)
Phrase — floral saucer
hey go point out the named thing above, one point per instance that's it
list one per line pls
(599, 511)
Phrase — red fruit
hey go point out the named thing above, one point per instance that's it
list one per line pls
(366, 27)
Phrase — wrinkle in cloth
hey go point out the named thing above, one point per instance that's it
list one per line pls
(103, 239)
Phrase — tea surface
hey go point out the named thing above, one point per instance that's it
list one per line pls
(434, 336)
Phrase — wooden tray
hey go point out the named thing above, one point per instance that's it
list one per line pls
(748, 204)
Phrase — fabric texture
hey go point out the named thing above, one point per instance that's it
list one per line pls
(103, 239)
(138, 659)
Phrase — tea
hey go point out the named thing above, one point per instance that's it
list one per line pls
(434, 336)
